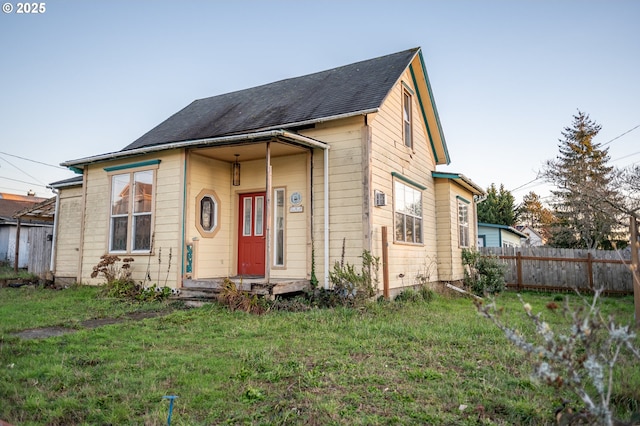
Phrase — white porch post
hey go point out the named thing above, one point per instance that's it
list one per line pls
(267, 220)
(326, 218)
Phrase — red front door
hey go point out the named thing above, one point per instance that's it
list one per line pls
(251, 234)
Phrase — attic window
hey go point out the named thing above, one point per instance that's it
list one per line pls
(406, 118)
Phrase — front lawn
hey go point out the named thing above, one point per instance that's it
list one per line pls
(389, 363)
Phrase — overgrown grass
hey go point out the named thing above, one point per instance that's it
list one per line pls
(389, 363)
(7, 272)
(35, 306)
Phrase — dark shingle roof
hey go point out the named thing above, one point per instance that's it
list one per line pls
(73, 181)
(344, 90)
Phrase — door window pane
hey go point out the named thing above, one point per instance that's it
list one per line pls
(259, 216)
(246, 217)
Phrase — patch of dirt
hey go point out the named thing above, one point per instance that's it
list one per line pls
(43, 333)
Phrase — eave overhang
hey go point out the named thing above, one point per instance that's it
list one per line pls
(461, 180)
(240, 139)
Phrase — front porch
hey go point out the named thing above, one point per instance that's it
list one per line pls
(207, 289)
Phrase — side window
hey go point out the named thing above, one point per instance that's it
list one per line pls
(463, 224)
(278, 218)
(407, 118)
(131, 213)
(408, 213)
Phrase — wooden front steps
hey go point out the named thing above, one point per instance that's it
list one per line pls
(197, 292)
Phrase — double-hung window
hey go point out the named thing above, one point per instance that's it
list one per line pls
(408, 213)
(463, 223)
(131, 212)
(407, 118)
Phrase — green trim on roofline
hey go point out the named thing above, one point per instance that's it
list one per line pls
(407, 180)
(132, 165)
(77, 170)
(435, 110)
(424, 115)
(445, 175)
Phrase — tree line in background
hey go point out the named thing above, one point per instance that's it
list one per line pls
(591, 200)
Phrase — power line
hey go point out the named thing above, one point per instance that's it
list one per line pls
(621, 135)
(626, 156)
(524, 184)
(22, 181)
(33, 161)
(17, 168)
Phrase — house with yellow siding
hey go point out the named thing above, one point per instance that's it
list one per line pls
(269, 184)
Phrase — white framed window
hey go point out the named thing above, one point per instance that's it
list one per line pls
(408, 213)
(131, 213)
(278, 219)
(407, 118)
(463, 224)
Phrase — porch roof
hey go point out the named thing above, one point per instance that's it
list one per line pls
(253, 137)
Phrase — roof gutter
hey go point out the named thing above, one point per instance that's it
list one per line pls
(223, 140)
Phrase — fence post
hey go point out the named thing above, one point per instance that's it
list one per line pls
(590, 269)
(519, 269)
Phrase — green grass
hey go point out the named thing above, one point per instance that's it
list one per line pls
(34, 306)
(391, 363)
(7, 272)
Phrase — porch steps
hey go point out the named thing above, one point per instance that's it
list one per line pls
(198, 292)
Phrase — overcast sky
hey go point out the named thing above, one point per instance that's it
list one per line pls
(88, 77)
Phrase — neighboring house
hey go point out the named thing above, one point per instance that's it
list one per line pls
(278, 181)
(494, 235)
(533, 239)
(10, 204)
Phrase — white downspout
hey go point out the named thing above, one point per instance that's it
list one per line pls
(326, 219)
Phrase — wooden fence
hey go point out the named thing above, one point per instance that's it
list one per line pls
(552, 269)
(39, 241)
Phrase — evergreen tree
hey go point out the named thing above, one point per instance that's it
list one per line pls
(584, 195)
(498, 207)
(534, 214)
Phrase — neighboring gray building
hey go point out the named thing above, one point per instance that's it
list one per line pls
(10, 204)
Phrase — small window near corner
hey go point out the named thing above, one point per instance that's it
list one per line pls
(207, 210)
